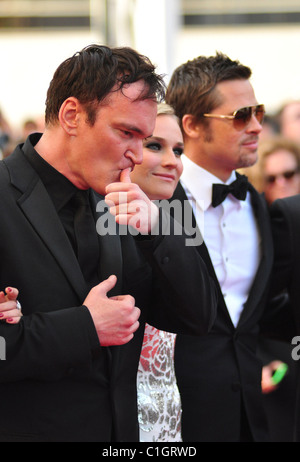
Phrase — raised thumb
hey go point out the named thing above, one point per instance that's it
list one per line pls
(108, 284)
(125, 175)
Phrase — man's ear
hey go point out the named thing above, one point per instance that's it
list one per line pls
(192, 128)
(69, 115)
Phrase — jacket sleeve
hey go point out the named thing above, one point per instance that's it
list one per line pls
(278, 321)
(284, 251)
(184, 296)
(48, 346)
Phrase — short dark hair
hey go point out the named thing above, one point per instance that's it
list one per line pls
(191, 89)
(91, 74)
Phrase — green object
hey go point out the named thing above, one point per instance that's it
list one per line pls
(279, 373)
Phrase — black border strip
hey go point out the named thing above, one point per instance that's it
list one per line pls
(240, 19)
(47, 22)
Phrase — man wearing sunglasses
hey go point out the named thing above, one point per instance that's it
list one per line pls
(219, 375)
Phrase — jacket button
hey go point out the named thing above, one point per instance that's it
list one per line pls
(235, 336)
(165, 260)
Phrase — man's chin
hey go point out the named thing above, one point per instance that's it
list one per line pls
(248, 160)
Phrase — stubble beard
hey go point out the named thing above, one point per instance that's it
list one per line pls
(248, 160)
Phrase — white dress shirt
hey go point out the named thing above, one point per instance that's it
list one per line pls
(230, 233)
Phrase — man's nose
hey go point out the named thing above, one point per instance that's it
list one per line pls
(280, 180)
(135, 152)
(254, 125)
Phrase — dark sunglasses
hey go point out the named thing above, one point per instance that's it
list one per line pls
(288, 175)
(242, 116)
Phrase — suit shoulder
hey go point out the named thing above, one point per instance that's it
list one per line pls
(285, 217)
(291, 204)
(4, 175)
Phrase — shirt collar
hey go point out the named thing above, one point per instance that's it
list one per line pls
(199, 182)
(59, 188)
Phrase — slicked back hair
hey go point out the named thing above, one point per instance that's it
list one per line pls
(192, 88)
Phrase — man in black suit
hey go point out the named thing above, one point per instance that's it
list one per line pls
(219, 374)
(71, 362)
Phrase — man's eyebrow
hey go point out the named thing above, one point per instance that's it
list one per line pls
(133, 128)
(154, 137)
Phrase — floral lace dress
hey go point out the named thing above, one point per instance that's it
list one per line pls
(159, 405)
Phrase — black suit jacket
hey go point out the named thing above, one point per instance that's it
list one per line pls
(285, 220)
(59, 383)
(218, 371)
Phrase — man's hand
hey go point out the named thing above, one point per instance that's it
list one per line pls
(115, 318)
(130, 205)
(267, 372)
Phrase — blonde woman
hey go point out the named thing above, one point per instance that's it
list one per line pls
(158, 397)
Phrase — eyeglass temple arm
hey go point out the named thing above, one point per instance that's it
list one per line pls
(219, 116)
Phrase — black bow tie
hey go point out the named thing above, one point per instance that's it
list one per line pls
(238, 189)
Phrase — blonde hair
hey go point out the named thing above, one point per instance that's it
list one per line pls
(164, 108)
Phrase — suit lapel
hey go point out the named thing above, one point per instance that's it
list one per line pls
(180, 195)
(40, 212)
(264, 269)
(260, 280)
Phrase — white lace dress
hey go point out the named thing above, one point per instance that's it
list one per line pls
(159, 403)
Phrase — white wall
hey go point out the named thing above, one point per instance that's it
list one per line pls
(28, 60)
(272, 52)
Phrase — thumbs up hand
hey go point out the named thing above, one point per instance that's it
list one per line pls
(130, 205)
(115, 318)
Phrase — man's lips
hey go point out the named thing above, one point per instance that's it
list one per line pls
(252, 144)
(131, 167)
